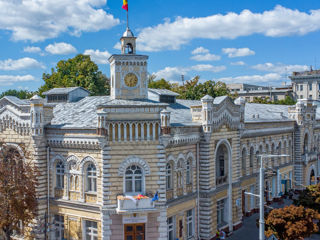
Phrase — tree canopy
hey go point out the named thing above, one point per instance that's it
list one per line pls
(22, 94)
(192, 89)
(287, 101)
(310, 197)
(78, 71)
(18, 180)
(291, 223)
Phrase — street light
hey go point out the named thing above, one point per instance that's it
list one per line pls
(261, 192)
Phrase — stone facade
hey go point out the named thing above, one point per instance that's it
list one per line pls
(190, 161)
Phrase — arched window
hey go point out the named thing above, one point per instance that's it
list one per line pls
(133, 179)
(60, 175)
(91, 178)
(251, 157)
(169, 176)
(71, 181)
(189, 172)
(244, 161)
(221, 164)
(272, 153)
(305, 144)
(179, 172)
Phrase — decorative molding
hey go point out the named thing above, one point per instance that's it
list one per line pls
(79, 143)
(133, 160)
(85, 161)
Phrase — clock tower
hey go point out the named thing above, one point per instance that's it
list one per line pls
(128, 71)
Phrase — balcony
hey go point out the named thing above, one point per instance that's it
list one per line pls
(189, 188)
(221, 180)
(179, 191)
(134, 204)
(58, 192)
(169, 194)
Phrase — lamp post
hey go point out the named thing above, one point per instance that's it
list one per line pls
(261, 192)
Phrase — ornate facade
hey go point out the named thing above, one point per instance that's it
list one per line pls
(127, 167)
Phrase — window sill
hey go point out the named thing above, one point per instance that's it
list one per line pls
(91, 193)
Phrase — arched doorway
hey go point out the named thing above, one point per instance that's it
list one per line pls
(312, 179)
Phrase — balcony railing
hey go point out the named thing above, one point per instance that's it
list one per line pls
(221, 180)
(189, 188)
(169, 194)
(134, 204)
(179, 191)
(58, 192)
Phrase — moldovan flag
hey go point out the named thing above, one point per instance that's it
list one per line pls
(125, 5)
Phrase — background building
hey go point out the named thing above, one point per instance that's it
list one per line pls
(306, 85)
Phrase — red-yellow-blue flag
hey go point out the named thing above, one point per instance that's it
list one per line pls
(125, 5)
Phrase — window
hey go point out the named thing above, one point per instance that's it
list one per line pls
(170, 228)
(188, 172)
(310, 96)
(59, 227)
(190, 224)
(310, 87)
(301, 96)
(221, 221)
(169, 176)
(91, 229)
(244, 161)
(179, 172)
(133, 179)
(301, 87)
(60, 175)
(91, 178)
(221, 161)
(251, 157)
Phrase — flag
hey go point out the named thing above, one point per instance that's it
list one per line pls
(155, 198)
(125, 5)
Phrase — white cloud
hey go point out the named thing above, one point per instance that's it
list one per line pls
(173, 74)
(203, 54)
(206, 57)
(239, 63)
(207, 68)
(61, 48)
(277, 22)
(253, 79)
(280, 68)
(200, 50)
(238, 52)
(19, 64)
(37, 20)
(97, 56)
(9, 80)
(32, 49)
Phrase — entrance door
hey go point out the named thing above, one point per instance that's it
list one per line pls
(134, 231)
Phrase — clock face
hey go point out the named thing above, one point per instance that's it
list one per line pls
(131, 80)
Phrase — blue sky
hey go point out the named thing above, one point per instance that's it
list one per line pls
(258, 42)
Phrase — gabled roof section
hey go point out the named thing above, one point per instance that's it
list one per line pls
(163, 92)
(63, 90)
(17, 101)
(256, 112)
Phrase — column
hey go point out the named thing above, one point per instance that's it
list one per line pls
(148, 131)
(119, 132)
(142, 131)
(154, 131)
(137, 134)
(125, 132)
(130, 131)
(113, 132)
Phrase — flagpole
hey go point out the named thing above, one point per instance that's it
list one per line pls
(128, 19)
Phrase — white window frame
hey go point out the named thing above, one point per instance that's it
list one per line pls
(171, 227)
(90, 230)
(134, 177)
(221, 212)
(189, 172)
(59, 227)
(190, 223)
(91, 178)
(169, 176)
(60, 174)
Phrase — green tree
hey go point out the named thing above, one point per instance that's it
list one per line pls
(18, 197)
(310, 197)
(291, 223)
(287, 101)
(194, 90)
(22, 94)
(160, 84)
(78, 71)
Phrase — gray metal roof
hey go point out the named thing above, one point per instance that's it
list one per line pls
(81, 114)
(163, 92)
(181, 114)
(133, 103)
(255, 112)
(63, 90)
(17, 101)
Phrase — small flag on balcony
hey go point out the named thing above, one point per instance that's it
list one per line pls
(155, 197)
